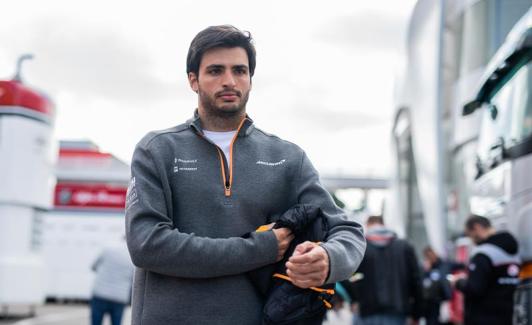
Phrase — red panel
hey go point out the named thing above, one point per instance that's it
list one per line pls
(79, 195)
(81, 153)
(13, 93)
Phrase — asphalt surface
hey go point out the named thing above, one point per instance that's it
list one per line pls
(56, 314)
(79, 314)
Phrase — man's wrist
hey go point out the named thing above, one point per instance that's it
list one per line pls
(328, 263)
(267, 244)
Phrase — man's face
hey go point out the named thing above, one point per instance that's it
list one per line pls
(431, 257)
(224, 81)
(477, 233)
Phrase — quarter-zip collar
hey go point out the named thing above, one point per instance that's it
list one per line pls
(244, 129)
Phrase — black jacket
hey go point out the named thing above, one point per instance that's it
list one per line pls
(286, 303)
(389, 279)
(436, 287)
(493, 277)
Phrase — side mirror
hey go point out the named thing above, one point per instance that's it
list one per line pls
(470, 107)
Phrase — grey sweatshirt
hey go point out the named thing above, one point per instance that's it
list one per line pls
(185, 213)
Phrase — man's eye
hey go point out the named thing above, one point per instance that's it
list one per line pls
(240, 71)
(215, 71)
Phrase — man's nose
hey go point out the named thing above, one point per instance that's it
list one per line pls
(228, 79)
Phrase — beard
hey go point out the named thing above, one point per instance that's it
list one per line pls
(228, 110)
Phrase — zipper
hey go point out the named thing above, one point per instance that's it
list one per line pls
(223, 167)
(227, 168)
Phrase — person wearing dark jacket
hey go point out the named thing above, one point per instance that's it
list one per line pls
(493, 275)
(436, 287)
(387, 285)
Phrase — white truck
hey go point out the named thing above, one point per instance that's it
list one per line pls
(502, 189)
(449, 47)
(27, 159)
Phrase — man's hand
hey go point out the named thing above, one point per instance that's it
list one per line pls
(454, 278)
(308, 266)
(284, 237)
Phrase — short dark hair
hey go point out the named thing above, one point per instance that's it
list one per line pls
(477, 220)
(219, 36)
(429, 249)
(375, 219)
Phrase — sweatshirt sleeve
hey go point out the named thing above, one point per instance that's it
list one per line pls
(478, 280)
(345, 243)
(156, 245)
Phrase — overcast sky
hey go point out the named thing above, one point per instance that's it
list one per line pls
(116, 69)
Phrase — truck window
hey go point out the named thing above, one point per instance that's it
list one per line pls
(495, 124)
(512, 121)
(521, 125)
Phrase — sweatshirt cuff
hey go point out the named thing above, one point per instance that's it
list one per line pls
(336, 272)
(267, 245)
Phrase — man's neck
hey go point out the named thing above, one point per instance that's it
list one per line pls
(490, 232)
(214, 123)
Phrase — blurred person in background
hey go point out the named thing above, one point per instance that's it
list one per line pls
(493, 274)
(112, 284)
(436, 287)
(386, 288)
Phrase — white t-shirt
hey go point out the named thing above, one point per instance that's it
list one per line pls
(222, 140)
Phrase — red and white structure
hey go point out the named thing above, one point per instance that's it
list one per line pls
(88, 214)
(27, 159)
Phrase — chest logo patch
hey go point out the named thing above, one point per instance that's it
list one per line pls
(272, 164)
(185, 165)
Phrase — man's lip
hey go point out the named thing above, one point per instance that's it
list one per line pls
(228, 95)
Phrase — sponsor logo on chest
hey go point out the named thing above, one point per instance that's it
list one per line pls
(271, 163)
(185, 165)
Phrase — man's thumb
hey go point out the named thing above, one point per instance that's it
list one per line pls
(303, 248)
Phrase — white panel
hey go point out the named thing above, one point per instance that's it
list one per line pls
(26, 165)
(15, 230)
(22, 280)
(71, 243)
(423, 90)
(520, 207)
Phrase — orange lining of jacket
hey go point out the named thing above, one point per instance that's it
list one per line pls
(227, 187)
(320, 290)
(263, 228)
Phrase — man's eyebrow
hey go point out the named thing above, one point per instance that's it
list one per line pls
(241, 66)
(221, 66)
(216, 66)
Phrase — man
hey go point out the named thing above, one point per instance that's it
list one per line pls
(198, 187)
(387, 285)
(436, 287)
(493, 274)
(112, 284)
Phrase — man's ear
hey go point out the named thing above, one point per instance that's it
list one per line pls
(193, 81)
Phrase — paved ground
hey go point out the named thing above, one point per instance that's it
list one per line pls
(78, 314)
(57, 314)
